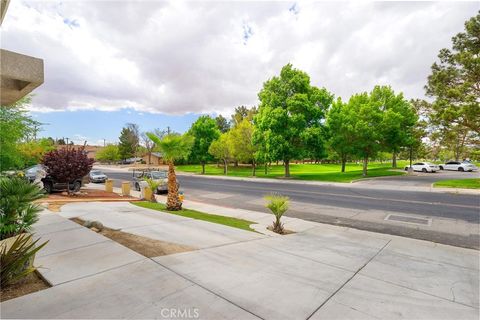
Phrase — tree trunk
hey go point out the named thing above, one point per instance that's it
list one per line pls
(173, 201)
(235, 163)
(287, 168)
(203, 167)
(266, 168)
(149, 158)
(394, 160)
(253, 168)
(365, 164)
(225, 166)
(344, 161)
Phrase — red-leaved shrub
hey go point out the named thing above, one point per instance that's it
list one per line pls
(66, 165)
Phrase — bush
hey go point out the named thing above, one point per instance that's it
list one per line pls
(153, 185)
(68, 164)
(17, 212)
(16, 262)
(278, 204)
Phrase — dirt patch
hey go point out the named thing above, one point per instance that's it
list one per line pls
(56, 206)
(285, 231)
(31, 283)
(142, 245)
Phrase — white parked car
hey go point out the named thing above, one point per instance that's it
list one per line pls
(424, 167)
(458, 166)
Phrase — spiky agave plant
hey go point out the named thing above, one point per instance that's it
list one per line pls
(278, 205)
(17, 211)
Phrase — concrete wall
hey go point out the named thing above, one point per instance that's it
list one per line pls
(19, 75)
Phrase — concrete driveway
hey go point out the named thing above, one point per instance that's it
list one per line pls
(418, 179)
(322, 272)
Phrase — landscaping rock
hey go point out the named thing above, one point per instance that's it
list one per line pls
(98, 225)
(87, 224)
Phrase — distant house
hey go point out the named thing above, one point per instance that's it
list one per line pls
(90, 150)
(156, 158)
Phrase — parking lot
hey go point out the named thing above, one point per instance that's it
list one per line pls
(419, 179)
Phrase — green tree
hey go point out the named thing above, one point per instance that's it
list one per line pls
(16, 126)
(289, 105)
(204, 131)
(398, 119)
(366, 117)
(128, 143)
(174, 147)
(243, 149)
(340, 124)
(222, 149)
(32, 151)
(109, 153)
(242, 113)
(454, 83)
(222, 123)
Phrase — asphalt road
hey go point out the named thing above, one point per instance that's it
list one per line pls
(313, 200)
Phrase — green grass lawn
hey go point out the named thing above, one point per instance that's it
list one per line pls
(319, 172)
(458, 183)
(227, 221)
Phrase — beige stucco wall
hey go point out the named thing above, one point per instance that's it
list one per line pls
(19, 75)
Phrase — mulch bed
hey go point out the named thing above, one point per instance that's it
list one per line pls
(86, 194)
(31, 283)
(56, 200)
(145, 246)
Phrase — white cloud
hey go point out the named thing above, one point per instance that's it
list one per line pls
(178, 57)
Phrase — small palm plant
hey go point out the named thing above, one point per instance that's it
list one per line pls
(173, 147)
(17, 211)
(278, 204)
(153, 185)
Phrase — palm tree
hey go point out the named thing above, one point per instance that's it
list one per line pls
(173, 147)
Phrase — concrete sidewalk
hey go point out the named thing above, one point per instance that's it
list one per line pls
(320, 272)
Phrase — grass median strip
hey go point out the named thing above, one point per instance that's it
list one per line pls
(458, 183)
(187, 213)
(315, 172)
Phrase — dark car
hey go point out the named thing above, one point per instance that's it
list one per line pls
(49, 184)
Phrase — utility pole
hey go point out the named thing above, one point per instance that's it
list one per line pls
(104, 142)
(168, 129)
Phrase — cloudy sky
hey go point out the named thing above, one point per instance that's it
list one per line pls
(163, 63)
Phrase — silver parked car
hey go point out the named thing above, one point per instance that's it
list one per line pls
(97, 176)
(158, 175)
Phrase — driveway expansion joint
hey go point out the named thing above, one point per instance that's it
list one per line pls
(207, 289)
(349, 279)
